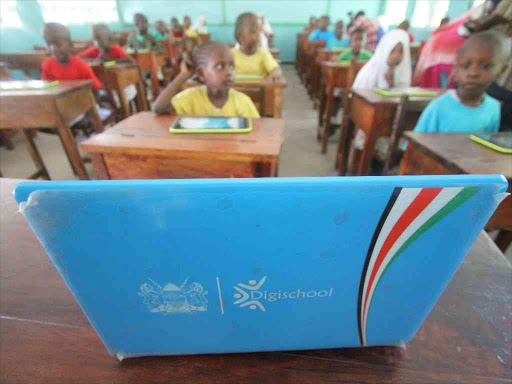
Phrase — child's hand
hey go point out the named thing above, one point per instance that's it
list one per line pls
(275, 77)
(186, 69)
(390, 76)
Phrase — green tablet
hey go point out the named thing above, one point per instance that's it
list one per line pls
(24, 85)
(501, 143)
(412, 92)
(211, 125)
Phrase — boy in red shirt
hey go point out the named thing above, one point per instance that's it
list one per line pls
(102, 47)
(63, 66)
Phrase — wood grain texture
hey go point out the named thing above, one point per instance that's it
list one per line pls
(142, 147)
(47, 339)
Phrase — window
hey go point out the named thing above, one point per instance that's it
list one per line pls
(476, 3)
(79, 11)
(395, 12)
(9, 17)
(428, 13)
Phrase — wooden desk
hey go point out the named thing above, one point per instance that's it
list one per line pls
(141, 147)
(24, 61)
(373, 114)
(465, 339)
(446, 154)
(323, 55)
(298, 51)
(51, 108)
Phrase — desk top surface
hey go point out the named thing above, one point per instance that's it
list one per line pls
(465, 339)
(374, 98)
(148, 131)
(459, 152)
(62, 88)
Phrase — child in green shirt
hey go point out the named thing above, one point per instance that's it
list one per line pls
(161, 33)
(357, 42)
(142, 39)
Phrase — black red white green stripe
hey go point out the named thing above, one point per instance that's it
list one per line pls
(410, 212)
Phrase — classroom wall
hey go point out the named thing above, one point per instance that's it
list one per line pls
(288, 17)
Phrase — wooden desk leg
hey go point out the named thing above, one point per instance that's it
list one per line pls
(278, 103)
(124, 105)
(95, 115)
(267, 169)
(327, 118)
(142, 102)
(344, 144)
(69, 144)
(366, 156)
(36, 156)
(321, 110)
(154, 80)
(98, 164)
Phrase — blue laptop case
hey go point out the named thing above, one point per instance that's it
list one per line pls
(164, 267)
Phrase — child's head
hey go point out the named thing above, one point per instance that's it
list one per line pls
(214, 65)
(359, 14)
(247, 32)
(396, 55)
(161, 27)
(141, 22)
(58, 40)
(339, 29)
(102, 36)
(480, 61)
(444, 21)
(312, 21)
(187, 22)
(357, 40)
(174, 23)
(324, 22)
(404, 25)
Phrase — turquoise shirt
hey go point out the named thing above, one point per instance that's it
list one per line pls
(318, 34)
(334, 43)
(446, 114)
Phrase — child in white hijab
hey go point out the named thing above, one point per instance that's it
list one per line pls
(389, 67)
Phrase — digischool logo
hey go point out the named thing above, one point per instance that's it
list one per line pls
(251, 295)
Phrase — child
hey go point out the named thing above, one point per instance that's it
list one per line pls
(177, 30)
(312, 24)
(214, 65)
(250, 58)
(390, 66)
(322, 33)
(189, 32)
(102, 47)
(63, 66)
(357, 42)
(161, 33)
(141, 39)
(468, 108)
(338, 40)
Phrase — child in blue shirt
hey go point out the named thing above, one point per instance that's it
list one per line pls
(468, 108)
(322, 33)
(339, 40)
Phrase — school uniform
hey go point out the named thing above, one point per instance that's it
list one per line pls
(259, 63)
(335, 43)
(319, 34)
(76, 69)
(348, 55)
(195, 102)
(93, 52)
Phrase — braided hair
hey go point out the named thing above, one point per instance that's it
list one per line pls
(240, 22)
(201, 53)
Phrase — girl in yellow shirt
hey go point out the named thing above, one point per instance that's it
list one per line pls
(250, 58)
(214, 66)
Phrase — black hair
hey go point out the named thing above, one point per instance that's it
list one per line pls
(139, 16)
(241, 20)
(57, 27)
(358, 30)
(201, 53)
(444, 20)
(325, 17)
(360, 13)
(492, 40)
(99, 26)
(174, 18)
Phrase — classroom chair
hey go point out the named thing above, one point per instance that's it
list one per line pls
(406, 116)
(299, 51)
(123, 75)
(204, 37)
(309, 63)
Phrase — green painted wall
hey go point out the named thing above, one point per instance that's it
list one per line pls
(288, 17)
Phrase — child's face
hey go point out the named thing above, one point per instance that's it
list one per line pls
(161, 27)
(250, 34)
(174, 23)
(142, 25)
(186, 22)
(324, 23)
(218, 74)
(475, 70)
(396, 55)
(103, 37)
(312, 21)
(59, 44)
(356, 42)
(340, 28)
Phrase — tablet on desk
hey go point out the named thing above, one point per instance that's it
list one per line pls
(411, 92)
(24, 85)
(500, 143)
(211, 125)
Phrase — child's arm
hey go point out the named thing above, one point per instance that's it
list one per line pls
(163, 102)
(276, 75)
